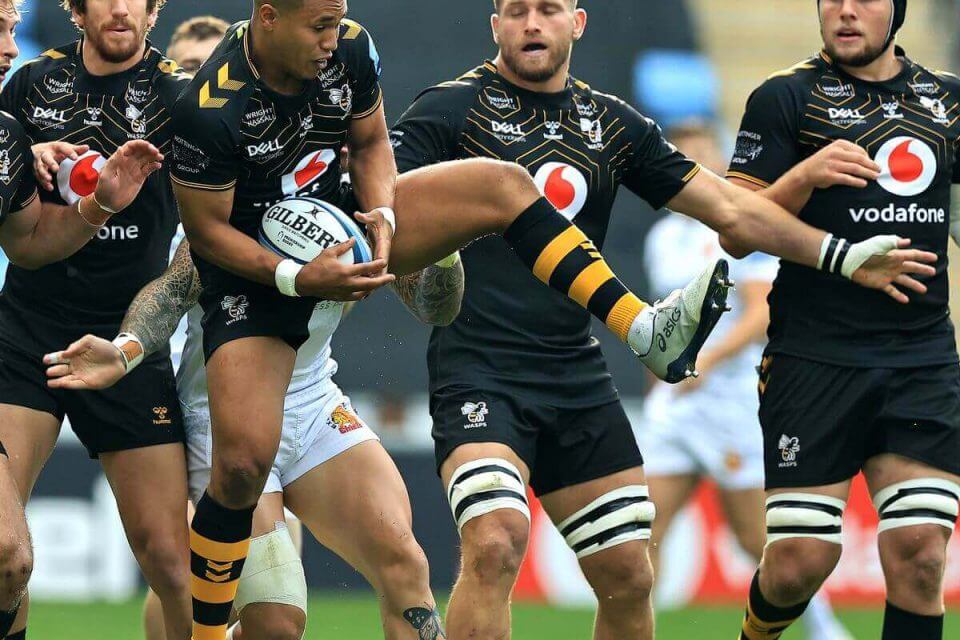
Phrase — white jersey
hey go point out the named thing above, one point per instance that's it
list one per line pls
(677, 249)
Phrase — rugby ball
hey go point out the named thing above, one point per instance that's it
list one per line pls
(301, 228)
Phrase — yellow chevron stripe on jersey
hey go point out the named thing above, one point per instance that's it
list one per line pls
(208, 102)
(224, 82)
(353, 29)
(800, 66)
(169, 66)
(53, 54)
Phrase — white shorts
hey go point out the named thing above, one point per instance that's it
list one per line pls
(705, 433)
(319, 423)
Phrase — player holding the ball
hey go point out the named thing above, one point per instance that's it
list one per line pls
(262, 121)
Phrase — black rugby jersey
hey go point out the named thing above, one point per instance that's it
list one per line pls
(580, 145)
(233, 131)
(910, 126)
(57, 99)
(18, 187)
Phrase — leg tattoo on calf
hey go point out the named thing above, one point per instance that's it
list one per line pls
(426, 621)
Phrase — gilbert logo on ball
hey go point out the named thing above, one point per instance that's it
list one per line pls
(908, 166)
(310, 168)
(78, 178)
(564, 186)
(302, 228)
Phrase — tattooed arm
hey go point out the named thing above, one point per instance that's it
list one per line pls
(434, 294)
(153, 316)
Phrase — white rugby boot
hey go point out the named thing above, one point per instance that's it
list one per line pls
(668, 335)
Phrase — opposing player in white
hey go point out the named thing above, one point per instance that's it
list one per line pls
(331, 470)
(707, 427)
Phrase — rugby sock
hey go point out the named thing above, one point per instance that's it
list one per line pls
(219, 541)
(6, 620)
(899, 624)
(560, 255)
(764, 621)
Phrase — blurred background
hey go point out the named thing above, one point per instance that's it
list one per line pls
(673, 59)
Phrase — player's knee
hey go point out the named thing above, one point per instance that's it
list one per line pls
(274, 621)
(915, 558)
(622, 577)
(402, 565)
(514, 186)
(16, 565)
(163, 561)
(793, 569)
(494, 545)
(243, 477)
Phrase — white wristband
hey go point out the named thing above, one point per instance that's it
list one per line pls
(131, 350)
(286, 277)
(390, 217)
(107, 209)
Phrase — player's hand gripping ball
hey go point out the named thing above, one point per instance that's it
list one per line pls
(302, 228)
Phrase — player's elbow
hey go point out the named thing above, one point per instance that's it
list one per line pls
(25, 258)
(733, 225)
(736, 250)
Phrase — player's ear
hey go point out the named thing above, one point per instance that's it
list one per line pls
(494, 25)
(267, 14)
(580, 24)
(152, 19)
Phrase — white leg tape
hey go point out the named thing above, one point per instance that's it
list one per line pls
(273, 572)
(915, 502)
(804, 515)
(616, 517)
(482, 486)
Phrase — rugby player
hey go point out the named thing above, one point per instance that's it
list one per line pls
(520, 394)
(707, 427)
(331, 471)
(104, 90)
(194, 40)
(300, 62)
(858, 140)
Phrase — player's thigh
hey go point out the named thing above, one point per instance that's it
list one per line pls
(29, 437)
(443, 207)
(670, 493)
(745, 513)
(356, 504)
(474, 451)
(13, 523)
(268, 514)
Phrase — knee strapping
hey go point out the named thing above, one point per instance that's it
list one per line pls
(482, 486)
(616, 517)
(915, 502)
(273, 572)
(804, 515)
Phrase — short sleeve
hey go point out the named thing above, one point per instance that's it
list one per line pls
(365, 69)
(205, 146)
(18, 187)
(657, 171)
(429, 131)
(767, 141)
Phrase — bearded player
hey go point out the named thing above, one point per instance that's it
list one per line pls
(520, 394)
(300, 62)
(104, 90)
(858, 140)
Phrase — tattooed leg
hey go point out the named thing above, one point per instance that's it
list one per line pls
(426, 622)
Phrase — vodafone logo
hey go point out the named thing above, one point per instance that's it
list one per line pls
(564, 186)
(308, 171)
(78, 178)
(907, 166)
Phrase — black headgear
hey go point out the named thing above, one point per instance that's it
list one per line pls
(896, 20)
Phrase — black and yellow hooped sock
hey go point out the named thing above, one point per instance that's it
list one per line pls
(563, 257)
(219, 541)
(764, 621)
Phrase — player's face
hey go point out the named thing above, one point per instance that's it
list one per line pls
(309, 36)
(190, 54)
(117, 29)
(9, 18)
(536, 36)
(854, 31)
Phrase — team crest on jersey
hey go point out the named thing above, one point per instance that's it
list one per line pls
(908, 166)
(586, 110)
(236, 308)
(5, 166)
(4, 135)
(593, 129)
(344, 420)
(789, 448)
(343, 97)
(78, 178)
(476, 414)
(937, 109)
(310, 168)
(564, 186)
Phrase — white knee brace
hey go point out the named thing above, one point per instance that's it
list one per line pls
(273, 572)
(482, 486)
(616, 517)
(922, 501)
(804, 515)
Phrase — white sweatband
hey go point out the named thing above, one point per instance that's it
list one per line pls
(450, 261)
(833, 253)
(804, 515)
(286, 277)
(860, 252)
(390, 217)
(916, 502)
(273, 572)
(107, 209)
(483, 486)
(130, 354)
(619, 516)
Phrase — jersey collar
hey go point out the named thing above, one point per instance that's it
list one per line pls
(560, 99)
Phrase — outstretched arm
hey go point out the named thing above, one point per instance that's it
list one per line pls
(434, 294)
(153, 316)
